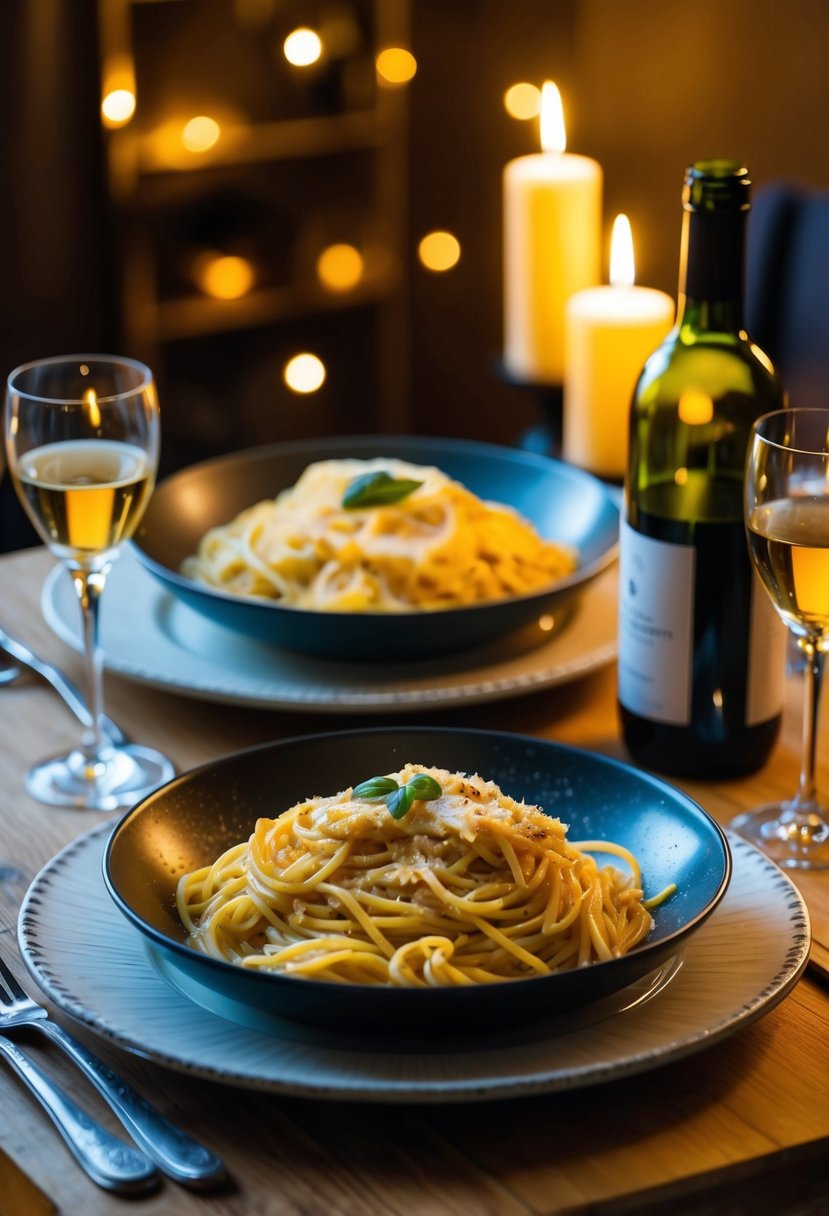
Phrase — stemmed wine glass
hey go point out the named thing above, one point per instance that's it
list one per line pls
(787, 522)
(82, 439)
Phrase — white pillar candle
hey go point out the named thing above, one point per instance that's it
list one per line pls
(609, 334)
(552, 203)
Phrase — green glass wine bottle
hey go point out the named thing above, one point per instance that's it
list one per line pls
(701, 650)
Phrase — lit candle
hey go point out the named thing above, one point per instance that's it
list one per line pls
(609, 333)
(552, 245)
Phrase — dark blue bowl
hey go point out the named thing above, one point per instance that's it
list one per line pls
(564, 503)
(189, 822)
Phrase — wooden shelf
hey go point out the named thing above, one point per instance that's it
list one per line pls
(158, 152)
(199, 316)
(308, 199)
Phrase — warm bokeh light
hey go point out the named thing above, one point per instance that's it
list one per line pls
(302, 47)
(439, 250)
(622, 268)
(553, 133)
(304, 373)
(395, 65)
(118, 107)
(200, 133)
(522, 101)
(695, 407)
(340, 267)
(225, 277)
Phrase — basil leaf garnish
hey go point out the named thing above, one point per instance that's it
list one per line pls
(377, 489)
(400, 801)
(375, 787)
(398, 798)
(425, 787)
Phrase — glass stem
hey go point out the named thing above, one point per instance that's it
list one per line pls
(88, 585)
(806, 797)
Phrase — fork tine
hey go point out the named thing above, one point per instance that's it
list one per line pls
(15, 990)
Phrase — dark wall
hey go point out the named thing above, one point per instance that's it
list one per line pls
(57, 293)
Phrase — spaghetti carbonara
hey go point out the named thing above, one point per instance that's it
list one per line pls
(469, 887)
(440, 546)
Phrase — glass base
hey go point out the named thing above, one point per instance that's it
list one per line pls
(795, 836)
(120, 777)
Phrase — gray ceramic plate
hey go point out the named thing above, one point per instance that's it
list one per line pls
(92, 963)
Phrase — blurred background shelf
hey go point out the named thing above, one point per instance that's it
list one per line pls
(200, 251)
(198, 317)
(235, 173)
(288, 140)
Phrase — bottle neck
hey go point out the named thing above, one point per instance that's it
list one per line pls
(711, 270)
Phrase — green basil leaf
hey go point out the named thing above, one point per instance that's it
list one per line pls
(425, 787)
(375, 787)
(400, 801)
(377, 489)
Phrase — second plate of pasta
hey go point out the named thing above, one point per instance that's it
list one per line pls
(379, 546)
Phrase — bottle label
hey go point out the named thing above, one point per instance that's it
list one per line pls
(656, 599)
(656, 635)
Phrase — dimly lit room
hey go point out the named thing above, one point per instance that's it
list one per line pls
(414, 789)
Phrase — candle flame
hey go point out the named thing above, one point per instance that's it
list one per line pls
(622, 272)
(553, 134)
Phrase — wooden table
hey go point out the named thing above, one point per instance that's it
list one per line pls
(743, 1126)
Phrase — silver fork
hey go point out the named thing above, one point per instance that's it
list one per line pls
(176, 1153)
(106, 1159)
(21, 654)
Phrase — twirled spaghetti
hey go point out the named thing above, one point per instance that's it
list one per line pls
(468, 888)
(440, 546)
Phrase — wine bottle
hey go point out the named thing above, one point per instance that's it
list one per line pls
(701, 651)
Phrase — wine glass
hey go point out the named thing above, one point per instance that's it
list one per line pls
(787, 522)
(82, 438)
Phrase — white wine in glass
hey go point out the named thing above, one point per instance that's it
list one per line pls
(82, 440)
(787, 523)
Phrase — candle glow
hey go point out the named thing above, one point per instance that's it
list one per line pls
(609, 333)
(552, 204)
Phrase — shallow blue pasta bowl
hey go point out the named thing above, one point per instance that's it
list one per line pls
(564, 503)
(188, 823)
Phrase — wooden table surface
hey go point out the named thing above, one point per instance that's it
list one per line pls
(740, 1127)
